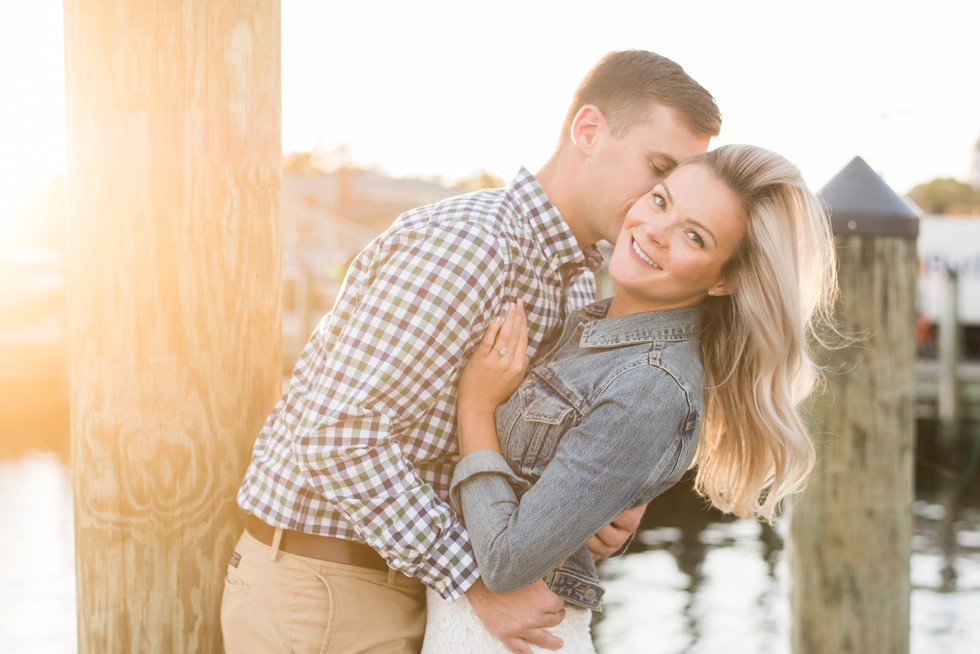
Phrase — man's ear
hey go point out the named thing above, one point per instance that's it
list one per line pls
(585, 126)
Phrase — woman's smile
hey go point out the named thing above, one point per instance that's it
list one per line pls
(643, 255)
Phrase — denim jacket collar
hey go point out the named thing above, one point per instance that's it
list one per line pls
(673, 325)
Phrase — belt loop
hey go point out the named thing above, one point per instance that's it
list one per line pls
(274, 548)
(391, 576)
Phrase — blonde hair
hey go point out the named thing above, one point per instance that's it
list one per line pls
(754, 449)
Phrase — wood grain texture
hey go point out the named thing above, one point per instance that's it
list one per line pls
(851, 530)
(173, 188)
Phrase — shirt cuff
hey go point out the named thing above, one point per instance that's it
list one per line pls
(482, 462)
(454, 570)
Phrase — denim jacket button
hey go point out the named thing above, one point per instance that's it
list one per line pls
(589, 594)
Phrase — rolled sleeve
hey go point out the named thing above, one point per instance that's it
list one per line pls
(482, 462)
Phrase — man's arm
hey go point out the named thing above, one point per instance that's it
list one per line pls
(389, 359)
(399, 334)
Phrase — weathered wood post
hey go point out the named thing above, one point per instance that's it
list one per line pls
(949, 353)
(173, 191)
(852, 528)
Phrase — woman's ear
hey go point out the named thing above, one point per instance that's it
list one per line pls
(585, 126)
(720, 289)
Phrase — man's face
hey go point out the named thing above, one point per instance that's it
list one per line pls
(626, 167)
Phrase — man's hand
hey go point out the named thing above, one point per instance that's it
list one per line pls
(611, 538)
(520, 618)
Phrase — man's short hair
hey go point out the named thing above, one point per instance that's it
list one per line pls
(624, 84)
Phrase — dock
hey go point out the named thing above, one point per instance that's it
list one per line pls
(927, 389)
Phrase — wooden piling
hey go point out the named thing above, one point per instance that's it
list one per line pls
(851, 530)
(949, 353)
(173, 192)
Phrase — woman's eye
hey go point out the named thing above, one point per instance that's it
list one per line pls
(696, 238)
(659, 200)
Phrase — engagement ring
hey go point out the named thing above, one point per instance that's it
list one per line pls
(501, 351)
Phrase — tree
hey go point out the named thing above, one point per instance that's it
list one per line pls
(480, 180)
(946, 196)
(319, 161)
(300, 163)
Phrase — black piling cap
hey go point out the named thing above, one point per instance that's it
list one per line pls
(860, 202)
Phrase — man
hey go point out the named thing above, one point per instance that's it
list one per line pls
(345, 494)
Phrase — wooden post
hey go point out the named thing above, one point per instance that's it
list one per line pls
(173, 192)
(851, 530)
(948, 409)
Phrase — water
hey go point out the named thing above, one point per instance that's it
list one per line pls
(724, 587)
(693, 582)
(696, 583)
(37, 564)
(736, 602)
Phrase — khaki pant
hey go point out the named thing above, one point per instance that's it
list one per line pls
(279, 602)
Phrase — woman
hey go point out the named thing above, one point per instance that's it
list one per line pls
(700, 358)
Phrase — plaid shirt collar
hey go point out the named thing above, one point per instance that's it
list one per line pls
(550, 229)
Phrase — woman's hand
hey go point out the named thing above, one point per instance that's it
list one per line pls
(498, 364)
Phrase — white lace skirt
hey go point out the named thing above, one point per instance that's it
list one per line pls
(454, 628)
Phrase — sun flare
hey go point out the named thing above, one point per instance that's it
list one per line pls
(32, 115)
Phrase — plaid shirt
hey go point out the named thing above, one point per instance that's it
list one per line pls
(362, 445)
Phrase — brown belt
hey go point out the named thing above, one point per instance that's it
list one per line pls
(324, 548)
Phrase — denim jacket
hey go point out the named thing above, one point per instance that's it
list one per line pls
(607, 420)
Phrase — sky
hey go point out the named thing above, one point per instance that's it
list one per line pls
(444, 88)
(439, 87)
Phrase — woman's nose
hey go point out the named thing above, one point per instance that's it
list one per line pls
(654, 230)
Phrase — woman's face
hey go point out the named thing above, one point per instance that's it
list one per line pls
(675, 242)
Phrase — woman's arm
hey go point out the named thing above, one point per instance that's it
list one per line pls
(492, 374)
(626, 446)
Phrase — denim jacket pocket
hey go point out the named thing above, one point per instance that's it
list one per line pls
(541, 409)
(541, 403)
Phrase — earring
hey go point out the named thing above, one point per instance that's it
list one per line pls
(711, 292)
